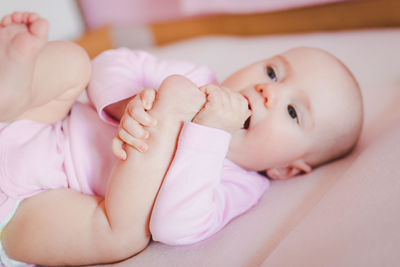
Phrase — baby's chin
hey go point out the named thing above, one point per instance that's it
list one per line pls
(238, 154)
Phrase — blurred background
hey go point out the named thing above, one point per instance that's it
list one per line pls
(102, 24)
(64, 15)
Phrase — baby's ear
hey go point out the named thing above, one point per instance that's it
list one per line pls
(293, 169)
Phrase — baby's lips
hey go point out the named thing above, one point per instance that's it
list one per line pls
(246, 124)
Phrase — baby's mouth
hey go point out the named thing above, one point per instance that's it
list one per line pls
(246, 124)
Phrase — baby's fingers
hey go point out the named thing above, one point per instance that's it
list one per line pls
(242, 106)
(136, 143)
(148, 96)
(138, 113)
(133, 127)
(117, 146)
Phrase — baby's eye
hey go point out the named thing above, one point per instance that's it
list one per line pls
(292, 113)
(271, 73)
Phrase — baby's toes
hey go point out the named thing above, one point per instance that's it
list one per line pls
(6, 20)
(25, 16)
(38, 26)
(31, 17)
(17, 17)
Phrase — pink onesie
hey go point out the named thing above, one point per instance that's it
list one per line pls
(202, 190)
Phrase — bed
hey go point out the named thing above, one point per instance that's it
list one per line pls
(345, 213)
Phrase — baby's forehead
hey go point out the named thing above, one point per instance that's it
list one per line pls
(313, 57)
(326, 82)
(314, 67)
(328, 88)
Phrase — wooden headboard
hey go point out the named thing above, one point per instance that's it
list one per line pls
(329, 17)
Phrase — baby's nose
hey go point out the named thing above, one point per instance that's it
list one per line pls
(268, 93)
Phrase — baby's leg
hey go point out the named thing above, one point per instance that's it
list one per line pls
(178, 100)
(34, 72)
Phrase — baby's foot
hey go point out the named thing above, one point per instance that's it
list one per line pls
(22, 35)
(178, 97)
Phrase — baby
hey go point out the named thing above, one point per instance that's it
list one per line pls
(306, 110)
(66, 200)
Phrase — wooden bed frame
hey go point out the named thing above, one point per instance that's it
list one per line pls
(337, 16)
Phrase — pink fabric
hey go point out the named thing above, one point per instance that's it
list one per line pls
(88, 159)
(121, 73)
(66, 154)
(202, 190)
(26, 170)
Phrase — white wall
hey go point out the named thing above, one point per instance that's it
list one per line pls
(63, 15)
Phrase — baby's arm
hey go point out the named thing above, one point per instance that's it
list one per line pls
(205, 200)
(202, 191)
(62, 227)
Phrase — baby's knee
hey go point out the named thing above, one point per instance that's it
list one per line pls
(78, 62)
(73, 59)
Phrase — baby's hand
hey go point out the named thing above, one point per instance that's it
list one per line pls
(225, 109)
(131, 128)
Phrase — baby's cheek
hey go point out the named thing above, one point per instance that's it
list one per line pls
(281, 142)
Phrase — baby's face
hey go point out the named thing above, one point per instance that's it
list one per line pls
(299, 99)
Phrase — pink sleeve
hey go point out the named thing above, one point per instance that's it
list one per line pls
(121, 73)
(202, 191)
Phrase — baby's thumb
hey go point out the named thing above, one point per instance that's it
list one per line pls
(148, 96)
